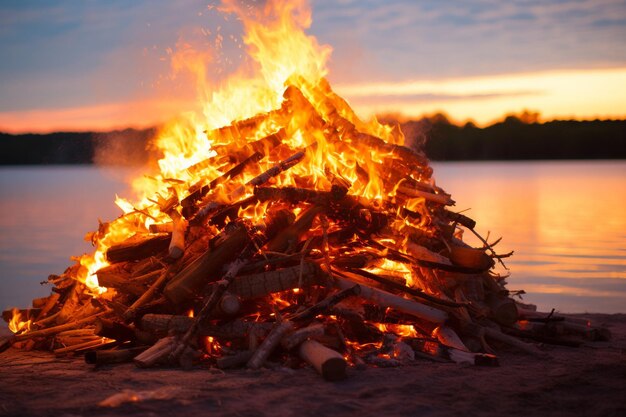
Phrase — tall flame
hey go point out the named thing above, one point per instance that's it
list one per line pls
(282, 54)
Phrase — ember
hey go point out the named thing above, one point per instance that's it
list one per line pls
(294, 233)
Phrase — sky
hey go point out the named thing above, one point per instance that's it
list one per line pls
(82, 65)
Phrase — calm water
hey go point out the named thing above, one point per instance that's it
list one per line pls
(566, 222)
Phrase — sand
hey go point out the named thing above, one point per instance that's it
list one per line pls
(585, 381)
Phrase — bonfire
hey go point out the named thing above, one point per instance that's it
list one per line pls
(283, 229)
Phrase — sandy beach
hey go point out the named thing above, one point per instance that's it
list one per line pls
(585, 381)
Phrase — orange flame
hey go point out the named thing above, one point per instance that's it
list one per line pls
(17, 324)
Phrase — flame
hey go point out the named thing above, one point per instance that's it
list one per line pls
(282, 87)
(403, 330)
(17, 324)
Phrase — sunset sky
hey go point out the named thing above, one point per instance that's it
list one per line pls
(79, 65)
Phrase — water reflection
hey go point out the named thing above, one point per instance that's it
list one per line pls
(565, 220)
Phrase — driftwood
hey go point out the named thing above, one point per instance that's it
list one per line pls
(328, 363)
(135, 248)
(269, 344)
(105, 357)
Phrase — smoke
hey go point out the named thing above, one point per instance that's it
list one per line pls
(129, 147)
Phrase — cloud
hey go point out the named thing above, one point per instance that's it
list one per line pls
(581, 94)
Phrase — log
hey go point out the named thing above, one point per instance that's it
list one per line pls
(148, 295)
(448, 337)
(270, 173)
(290, 237)
(176, 247)
(470, 258)
(264, 283)
(135, 249)
(156, 354)
(189, 282)
(294, 339)
(503, 309)
(386, 299)
(122, 283)
(269, 344)
(113, 330)
(105, 357)
(442, 199)
(330, 364)
(161, 227)
(57, 329)
(234, 361)
(90, 344)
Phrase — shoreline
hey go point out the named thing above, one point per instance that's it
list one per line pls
(572, 381)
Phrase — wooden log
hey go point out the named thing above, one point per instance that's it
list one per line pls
(386, 299)
(105, 357)
(503, 309)
(270, 173)
(122, 283)
(269, 344)
(470, 258)
(90, 344)
(156, 354)
(448, 337)
(234, 361)
(113, 330)
(57, 329)
(50, 304)
(148, 295)
(294, 339)
(161, 227)
(189, 282)
(330, 364)
(442, 199)
(509, 340)
(264, 283)
(176, 247)
(135, 249)
(290, 237)
(438, 350)
(229, 304)
(71, 303)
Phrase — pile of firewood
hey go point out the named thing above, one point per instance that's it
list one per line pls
(244, 269)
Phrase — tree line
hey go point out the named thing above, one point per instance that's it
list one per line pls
(514, 138)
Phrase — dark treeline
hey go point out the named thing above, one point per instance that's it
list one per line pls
(511, 139)
(123, 147)
(515, 139)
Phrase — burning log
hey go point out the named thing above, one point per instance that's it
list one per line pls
(191, 280)
(136, 248)
(269, 344)
(177, 244)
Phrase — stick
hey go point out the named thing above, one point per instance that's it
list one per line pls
(130, 314)
(271, 341)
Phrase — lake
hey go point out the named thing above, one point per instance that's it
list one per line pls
(566, 222)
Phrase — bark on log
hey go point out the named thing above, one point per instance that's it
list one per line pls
(134, 250)
(290, 237)
(269, 344)
(386, 299)
(328, 363)
(470, 258)
(503, 309)
(158, 353)
(189, 282)
(294, 339)
(264, 283)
